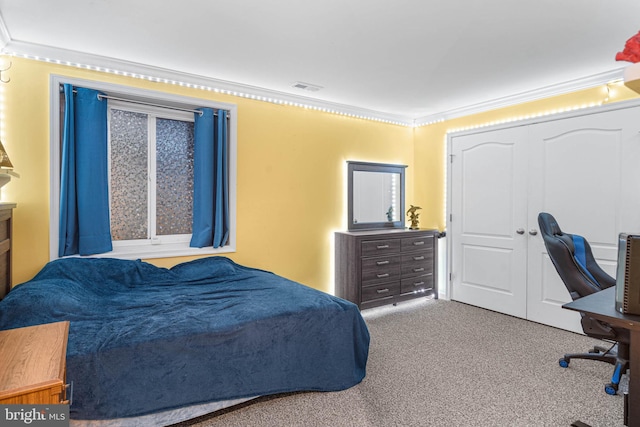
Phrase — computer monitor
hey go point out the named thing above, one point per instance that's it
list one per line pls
(628, 274)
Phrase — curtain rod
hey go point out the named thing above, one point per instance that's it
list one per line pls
(115, 98)
(101, 96)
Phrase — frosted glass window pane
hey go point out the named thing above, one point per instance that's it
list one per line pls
(174, 177)
(129, 175)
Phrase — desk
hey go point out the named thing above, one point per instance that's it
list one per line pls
(602, 306)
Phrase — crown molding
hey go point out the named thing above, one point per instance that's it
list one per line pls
(163, 75)
(528, 96)
(5, 37)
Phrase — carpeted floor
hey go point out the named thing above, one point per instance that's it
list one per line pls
(444, 364)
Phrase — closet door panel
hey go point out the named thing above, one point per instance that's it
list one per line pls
(578, 174)
(488, 196)
(585, 170)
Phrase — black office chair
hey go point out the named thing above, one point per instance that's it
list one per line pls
(571, 255)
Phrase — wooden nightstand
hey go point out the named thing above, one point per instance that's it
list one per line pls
(33, 364)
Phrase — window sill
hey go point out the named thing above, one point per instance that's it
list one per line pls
(162, 251)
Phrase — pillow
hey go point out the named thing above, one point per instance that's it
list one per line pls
(205, 268)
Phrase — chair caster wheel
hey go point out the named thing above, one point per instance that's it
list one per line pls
(611, 389)
(564, 363)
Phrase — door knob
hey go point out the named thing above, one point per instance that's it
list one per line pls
(520, 231)
(533, 231)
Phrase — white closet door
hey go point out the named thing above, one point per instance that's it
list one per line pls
(489, 217)
(585, 171)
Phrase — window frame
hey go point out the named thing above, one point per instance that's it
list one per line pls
(153, 113)
(142, 249)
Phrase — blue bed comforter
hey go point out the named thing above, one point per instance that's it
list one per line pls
(144, 339)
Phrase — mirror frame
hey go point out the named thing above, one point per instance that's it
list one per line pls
(353, 166)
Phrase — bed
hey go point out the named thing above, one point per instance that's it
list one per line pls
(145, 340)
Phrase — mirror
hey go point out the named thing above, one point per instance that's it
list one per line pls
(375, 195)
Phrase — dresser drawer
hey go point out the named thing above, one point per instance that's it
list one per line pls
(384, 290)
(417, 243)
(417, 263)
(380, 247)
(5, 231)
(380, 269)
(417, 284)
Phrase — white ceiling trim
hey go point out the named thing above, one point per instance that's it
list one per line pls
(166, 76)
(533, 95)
(5, 37)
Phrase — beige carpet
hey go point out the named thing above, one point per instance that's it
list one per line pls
(442, 363)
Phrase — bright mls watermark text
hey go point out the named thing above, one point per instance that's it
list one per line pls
(34, 415)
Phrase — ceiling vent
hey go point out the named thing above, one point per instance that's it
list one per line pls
(307, 86)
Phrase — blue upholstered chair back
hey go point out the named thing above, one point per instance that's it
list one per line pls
(572, 257)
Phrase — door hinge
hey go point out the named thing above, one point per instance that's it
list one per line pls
(451, 156)
(450, 217)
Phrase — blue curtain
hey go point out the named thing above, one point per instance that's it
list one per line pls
(210, 180)
(84, 186)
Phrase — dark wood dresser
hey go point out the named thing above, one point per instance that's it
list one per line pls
(6, 213)
(379, 267)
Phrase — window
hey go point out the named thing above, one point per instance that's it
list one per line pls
(151, 171)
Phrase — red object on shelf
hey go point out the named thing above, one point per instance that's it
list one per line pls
(631, 52)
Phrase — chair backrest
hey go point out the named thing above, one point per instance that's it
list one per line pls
(572, 257)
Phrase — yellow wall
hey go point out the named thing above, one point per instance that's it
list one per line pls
(290, 196)
(291, 169)
(431, 145)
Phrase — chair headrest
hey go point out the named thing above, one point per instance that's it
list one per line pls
(548, 224)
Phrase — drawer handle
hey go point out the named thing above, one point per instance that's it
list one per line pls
(68, 391)
(418, 258)
(418, 284)
(416, 270)
(380, 276)
(382, 262)
(382, 291)
(418, 243)
(382, 246)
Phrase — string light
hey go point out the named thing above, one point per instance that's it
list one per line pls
(609, 93)
(210, 89)
(277, 101)
(527, 116)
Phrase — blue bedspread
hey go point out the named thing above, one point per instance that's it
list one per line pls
(144, 339)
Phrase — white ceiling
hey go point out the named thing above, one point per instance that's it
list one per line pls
(412, 59)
